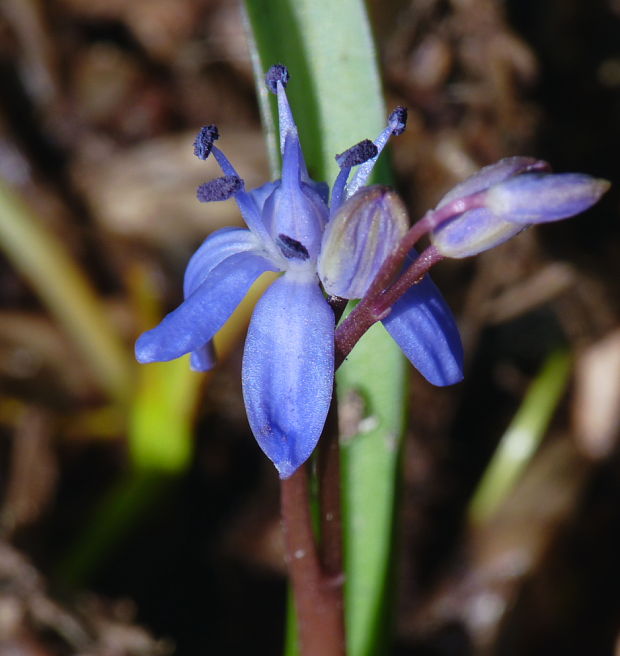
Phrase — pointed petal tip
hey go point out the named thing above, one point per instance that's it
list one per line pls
(445, 370)
(446, 377)
(286, 468)
(601, 186)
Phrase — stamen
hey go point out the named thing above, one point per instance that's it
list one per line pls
(358, 154)
(291, 248)
(222, 160)
(219, 189)
(398, 120)
(204, 141)
(396, 125)
(277, 73)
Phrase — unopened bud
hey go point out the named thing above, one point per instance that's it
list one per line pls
(493, 174)
(517, 194)
(358, 239)
(471, 233)
(540, 198)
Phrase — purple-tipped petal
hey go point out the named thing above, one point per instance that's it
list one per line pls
(540, 197)
(203, 358)
(422, 325)
(196, 320)
(288, 370)
(492, 175)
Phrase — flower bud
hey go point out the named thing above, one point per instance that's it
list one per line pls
(358, 239)
(493, 174)
(472, 232)
(539, 197)
(518, 194)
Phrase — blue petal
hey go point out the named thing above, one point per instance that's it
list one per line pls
(197, 320)
(288, 370)
(262, 193)
(215, 249)
(203, 359)
(423, 326)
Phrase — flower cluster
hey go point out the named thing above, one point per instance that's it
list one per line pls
(336, 245)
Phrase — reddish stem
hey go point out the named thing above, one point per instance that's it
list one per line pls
(430, 221)
(374, 308)
(318, 596)
(328, 472)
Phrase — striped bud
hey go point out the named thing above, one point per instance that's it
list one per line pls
(358, 239)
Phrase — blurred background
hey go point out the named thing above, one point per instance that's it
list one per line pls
(137, 515)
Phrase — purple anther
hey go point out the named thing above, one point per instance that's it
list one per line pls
(277, 73)
(219, 189)
(204, 141)
(292, 249)
(398, 120)
(358, 154)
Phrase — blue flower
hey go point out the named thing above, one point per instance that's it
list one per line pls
(288, 361)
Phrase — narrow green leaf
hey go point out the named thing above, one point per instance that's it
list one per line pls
(44, 261)
(372, 390)
(337, 101)
(522, 438)
(335, 88)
